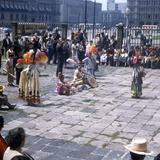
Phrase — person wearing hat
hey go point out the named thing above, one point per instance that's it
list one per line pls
(138, 149)
(4, 99)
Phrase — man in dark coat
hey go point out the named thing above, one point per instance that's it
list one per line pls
(6, 44)
(60, 56)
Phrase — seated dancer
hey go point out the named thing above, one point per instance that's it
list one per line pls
(79, 77)
(138, 149)
(4, 99)
(63, 88)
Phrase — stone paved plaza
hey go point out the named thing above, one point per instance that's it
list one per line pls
(93, 124)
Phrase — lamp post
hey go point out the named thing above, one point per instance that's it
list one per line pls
(127, 24)
(127, 15)
(85, 14)
(94, 17)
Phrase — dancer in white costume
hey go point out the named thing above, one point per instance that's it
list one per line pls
(29, 89)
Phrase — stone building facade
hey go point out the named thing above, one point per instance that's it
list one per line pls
(144, 12)
(47, 11)
(28, 11)
(111, 18)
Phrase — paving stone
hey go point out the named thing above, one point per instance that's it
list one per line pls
(105, 138)
(114, 155)
(99, 143)
(33, 115)
(105, 117)
(41, 155)
(94, 157)
(57, 142)
(34, 132)
(116, 147)
(82, 153)
(90, 135)
(101, 152)
(55, 157)
(126, 135)
(31, 140)
(121, 141)
(89, 110)
(71, 146)
(81, 140)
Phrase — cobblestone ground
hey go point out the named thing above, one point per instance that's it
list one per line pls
(91, 125)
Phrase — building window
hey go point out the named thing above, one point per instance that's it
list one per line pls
(11, 17)
(33, 19)
(22, 17)
(2, 16)
(50, 18)
(141, 23)
(26, 18)
(17, 17)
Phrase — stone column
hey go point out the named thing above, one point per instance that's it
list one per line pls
(64, 31)
(120, 36)
(14, 30)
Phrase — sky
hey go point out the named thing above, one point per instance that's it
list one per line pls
(104, 3)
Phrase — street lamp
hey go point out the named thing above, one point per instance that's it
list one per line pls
(127, 24)
(127, 16)
(85, 14)
(94, 17)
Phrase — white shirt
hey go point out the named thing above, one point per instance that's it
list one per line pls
(9, 154)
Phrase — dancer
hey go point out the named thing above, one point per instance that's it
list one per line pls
(63, 88)
(138, 73)
(29, 88)
(78, 78)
